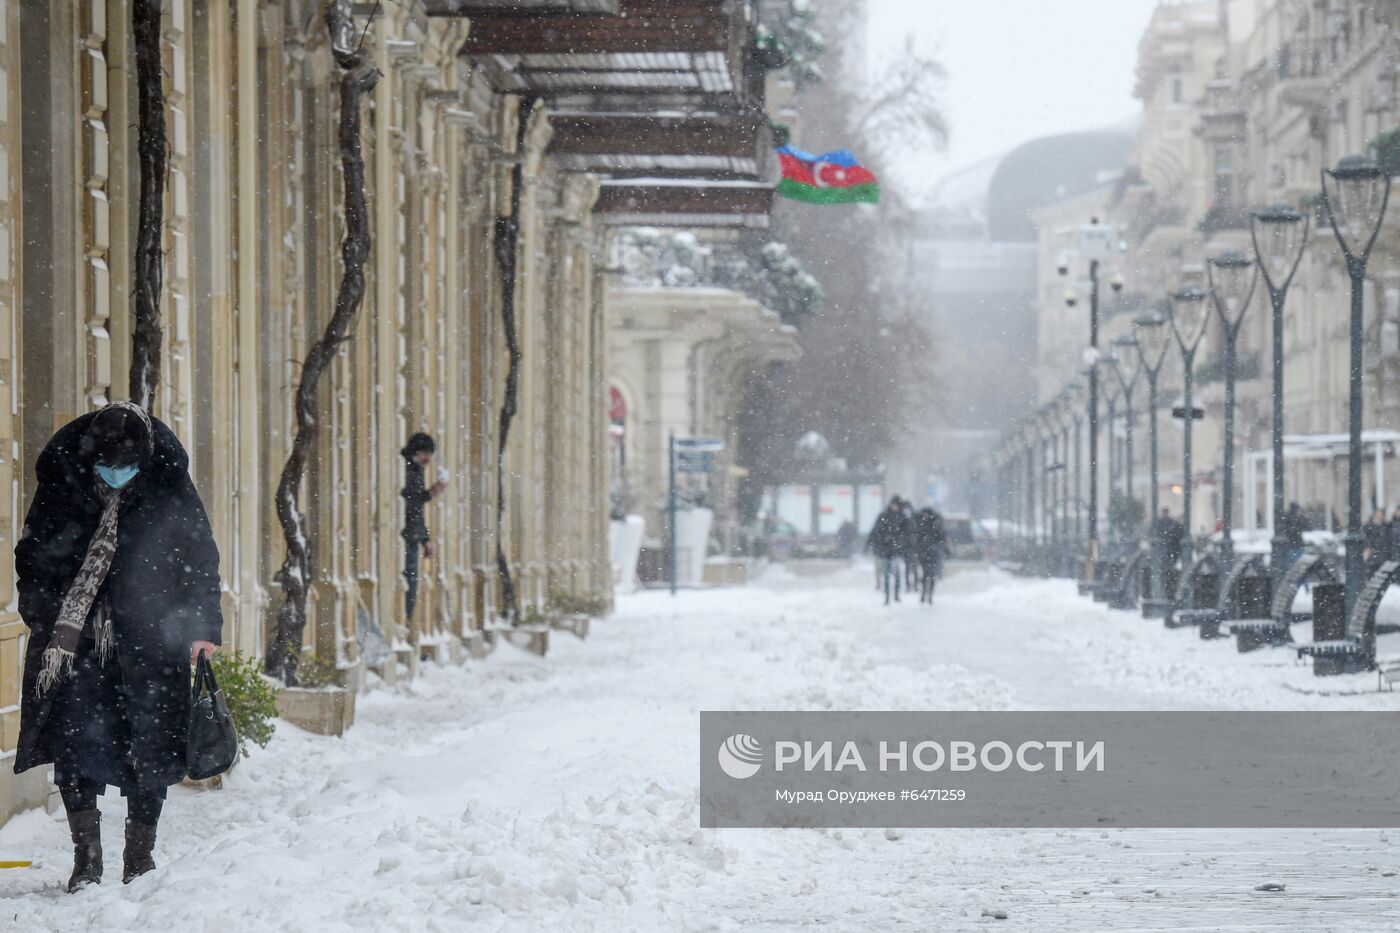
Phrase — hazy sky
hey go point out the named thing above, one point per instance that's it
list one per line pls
(1017, 69)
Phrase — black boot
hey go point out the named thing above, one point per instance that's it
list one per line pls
(86, 829)
(136, 859)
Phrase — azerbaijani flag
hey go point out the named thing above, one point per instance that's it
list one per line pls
(830, 178)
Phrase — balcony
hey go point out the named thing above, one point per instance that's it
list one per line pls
(1303, 71)
(1221, 218)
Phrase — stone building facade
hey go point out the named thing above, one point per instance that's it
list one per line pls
(1244, 103)
(253, 223)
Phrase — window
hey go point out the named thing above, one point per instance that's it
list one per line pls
(1224, 178)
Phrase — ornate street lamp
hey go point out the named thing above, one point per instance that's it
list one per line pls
(1107, 363)
(1094, 232)
(1280, 235)
(1074, 411)
(1059, 425)
(1153, 335)
(1049, 436)
(1233, 277)
(1127, 370)
(1030, 436)
(1355, 207)
(1190, 315)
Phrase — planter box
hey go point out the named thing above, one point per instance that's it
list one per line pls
(575, 624)
(323, 710)
(477, 645)
(726, 573)
(531, 638)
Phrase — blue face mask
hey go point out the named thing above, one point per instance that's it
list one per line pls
(117, 477)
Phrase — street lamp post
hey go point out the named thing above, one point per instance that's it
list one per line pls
(1189, 317)
(1152, 336)
(1128, 368)
(1049, 445)
(1233, 277)
(1280, 234)
(1092, 553)
(1111, 394)
(1060, 412)
(1074, 415)
(1094, 240)
(1031, 436)
(1356, 208)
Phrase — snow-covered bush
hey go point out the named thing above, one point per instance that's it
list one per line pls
(251, 698)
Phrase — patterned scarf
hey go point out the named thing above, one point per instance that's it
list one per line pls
(59, 656)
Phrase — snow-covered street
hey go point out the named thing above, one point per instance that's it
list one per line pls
(522, 793)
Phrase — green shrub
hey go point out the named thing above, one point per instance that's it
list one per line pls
(579, 604)
(313, 672)
(532, 615)
(251, 698)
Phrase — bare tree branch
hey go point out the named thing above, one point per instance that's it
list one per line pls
(908, 109)
(507, 243)
(358, 77)
(151, 154)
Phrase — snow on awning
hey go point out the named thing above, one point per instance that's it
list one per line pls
(1332, 446)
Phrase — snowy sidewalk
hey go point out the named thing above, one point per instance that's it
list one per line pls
(529, 794)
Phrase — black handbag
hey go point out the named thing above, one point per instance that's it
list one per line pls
(212, 746)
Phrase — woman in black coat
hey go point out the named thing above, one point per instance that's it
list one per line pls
(417, 455)
(119, 586)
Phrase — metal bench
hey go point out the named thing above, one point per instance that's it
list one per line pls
(1199, 591)
(1276, 630)
(1245, 596)
(1112, 572)
(1127, 590)
(1356, 649)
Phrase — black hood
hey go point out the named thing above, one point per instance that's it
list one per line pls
(67, 459)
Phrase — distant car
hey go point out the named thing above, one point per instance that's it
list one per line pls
(967, 540)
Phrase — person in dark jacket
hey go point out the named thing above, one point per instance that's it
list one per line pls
(1377, 537)
(1293, 525)
(1168, 533)
(910, 549)
(886, 541)
(119, 586)
(417, 455)
(932, 537)
(847, 537)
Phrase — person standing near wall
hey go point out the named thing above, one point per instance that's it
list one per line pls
(119, 586)
(417, 455)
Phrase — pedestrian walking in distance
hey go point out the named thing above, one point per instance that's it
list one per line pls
(119, 586)
(932, 537)
(909, 550)
(1377, 537)
(417, 455)
(1294, 523)
(887, 542)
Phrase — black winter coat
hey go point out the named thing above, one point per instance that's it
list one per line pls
(887, 537)
(163, 589)
(415, 495)
(932, 538)
(1377, 538)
